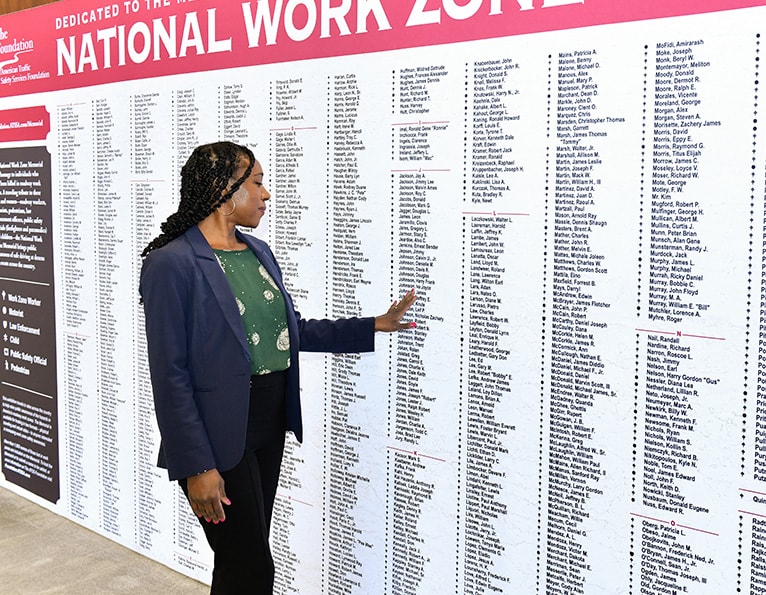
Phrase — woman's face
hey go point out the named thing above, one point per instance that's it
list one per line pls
(250, 198)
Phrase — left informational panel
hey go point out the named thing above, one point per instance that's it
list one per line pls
(29, 406)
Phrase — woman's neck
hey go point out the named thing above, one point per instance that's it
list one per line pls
(220, 234)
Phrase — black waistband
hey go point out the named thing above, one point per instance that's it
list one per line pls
(270, 380)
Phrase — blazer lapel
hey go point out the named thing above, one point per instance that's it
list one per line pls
(220, 287)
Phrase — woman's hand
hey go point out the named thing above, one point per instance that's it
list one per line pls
(207, 496)
(391, 320)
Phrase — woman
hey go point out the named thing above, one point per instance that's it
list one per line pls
(223, 340)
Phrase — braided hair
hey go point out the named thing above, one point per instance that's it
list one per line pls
(204, 179)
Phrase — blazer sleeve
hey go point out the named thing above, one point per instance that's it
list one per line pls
(166, 288)
(346, 335)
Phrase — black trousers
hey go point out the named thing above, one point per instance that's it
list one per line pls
(243, 564)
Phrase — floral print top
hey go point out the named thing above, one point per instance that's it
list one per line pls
(262, 308)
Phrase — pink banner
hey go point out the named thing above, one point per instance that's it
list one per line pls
(83, 42)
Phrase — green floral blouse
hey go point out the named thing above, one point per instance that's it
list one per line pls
(262, 308)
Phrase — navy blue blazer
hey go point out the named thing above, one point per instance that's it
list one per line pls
(199, 358)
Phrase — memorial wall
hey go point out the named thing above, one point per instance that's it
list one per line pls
(576, 190)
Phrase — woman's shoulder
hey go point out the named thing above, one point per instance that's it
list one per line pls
(171, 258)
(177, 248)
(251, 239)
(255, 243)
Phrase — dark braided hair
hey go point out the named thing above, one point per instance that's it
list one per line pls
(204, 178)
